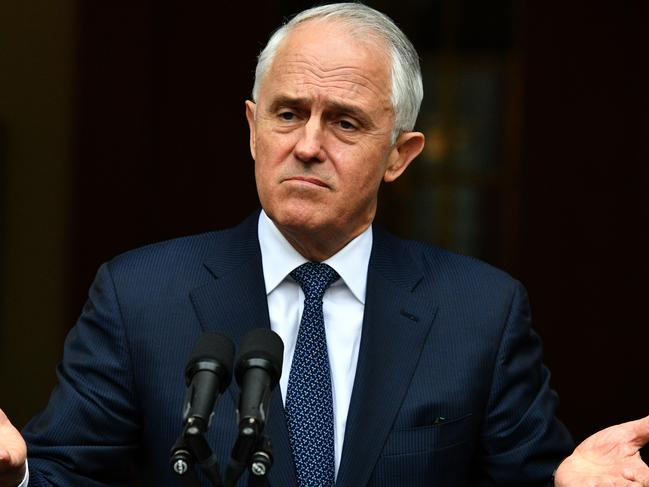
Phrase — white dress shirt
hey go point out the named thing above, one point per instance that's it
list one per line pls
(343, 307)
(26, 478)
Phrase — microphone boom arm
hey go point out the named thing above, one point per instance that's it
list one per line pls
(192, 448)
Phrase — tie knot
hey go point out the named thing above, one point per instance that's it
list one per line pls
(314, 278)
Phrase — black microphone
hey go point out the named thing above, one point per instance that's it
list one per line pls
(207, 374)
(258, 370)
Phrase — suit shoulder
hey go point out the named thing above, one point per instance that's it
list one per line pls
(191, 251)
(459, 263)
(455, 271)
(169, 253)
(452, 279)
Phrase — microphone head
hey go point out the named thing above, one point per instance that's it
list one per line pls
(261, 347)
(213, 351)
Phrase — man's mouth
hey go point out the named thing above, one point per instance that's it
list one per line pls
(310, 180)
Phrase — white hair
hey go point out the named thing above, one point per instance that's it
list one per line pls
(406, 88)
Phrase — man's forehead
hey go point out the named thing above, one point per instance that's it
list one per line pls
(309, 65)
(302, 72)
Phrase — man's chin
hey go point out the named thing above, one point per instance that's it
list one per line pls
(297, 214)
(303, 222)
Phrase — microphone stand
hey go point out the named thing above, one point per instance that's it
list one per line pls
(260, 463)
(191, 448)
(251, 450)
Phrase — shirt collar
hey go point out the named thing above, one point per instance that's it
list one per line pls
(279, 258)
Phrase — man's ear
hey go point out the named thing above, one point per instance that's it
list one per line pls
(250, 116)
(408, 146)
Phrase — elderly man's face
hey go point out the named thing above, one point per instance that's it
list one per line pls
(321, 133)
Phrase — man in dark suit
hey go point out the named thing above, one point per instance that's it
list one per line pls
(434, 376)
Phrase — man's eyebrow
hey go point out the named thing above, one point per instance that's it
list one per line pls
(353, 111)
(287, 101)
(332, 106)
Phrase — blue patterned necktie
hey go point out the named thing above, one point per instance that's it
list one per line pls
(309, 405)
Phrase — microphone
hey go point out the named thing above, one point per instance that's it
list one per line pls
(258, 370)
(207, 374)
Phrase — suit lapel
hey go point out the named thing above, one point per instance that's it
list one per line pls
(234, 303)
(395, 327)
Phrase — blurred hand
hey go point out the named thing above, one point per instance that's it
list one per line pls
(13, 453)
(608, 458)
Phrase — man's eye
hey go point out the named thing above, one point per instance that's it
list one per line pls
(287, 116)
(346, 125)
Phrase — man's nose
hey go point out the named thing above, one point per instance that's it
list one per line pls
(309, 147)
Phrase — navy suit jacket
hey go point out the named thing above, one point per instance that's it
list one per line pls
(450, 389)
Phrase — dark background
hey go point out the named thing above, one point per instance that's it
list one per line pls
(122, 123)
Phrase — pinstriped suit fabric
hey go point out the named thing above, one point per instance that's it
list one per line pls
(449, 389)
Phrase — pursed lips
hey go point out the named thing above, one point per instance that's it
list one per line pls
(310, 180)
